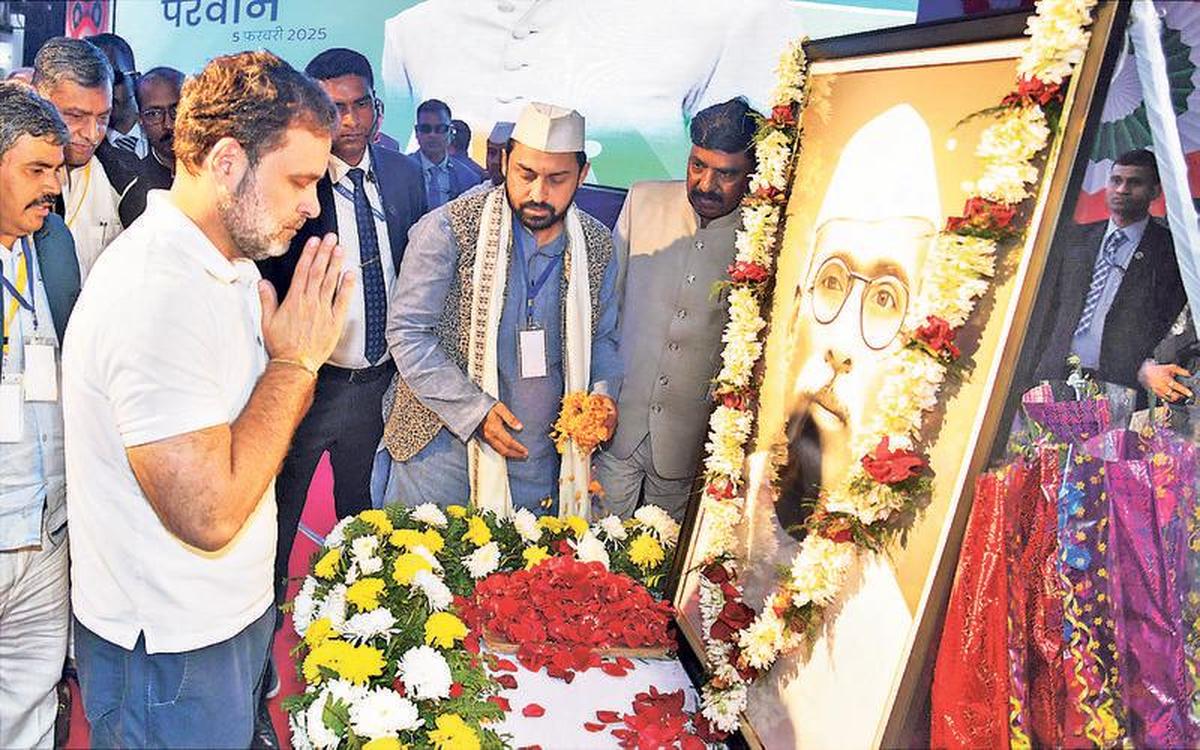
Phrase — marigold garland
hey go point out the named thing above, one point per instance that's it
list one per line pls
(858, 512)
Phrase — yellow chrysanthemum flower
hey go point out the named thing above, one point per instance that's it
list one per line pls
(534, 555)
(478, 532)
(378, 519)
(578, 526)
(553, 524)
(407, 566)
(443, 629)
(384, 743)
(433, 541)
(365, 592)
(645, 551)
(406, 538)
(456, 511)
(318, 630)
(326, 654)
(359, 664)
(327, 566)
(453, 733)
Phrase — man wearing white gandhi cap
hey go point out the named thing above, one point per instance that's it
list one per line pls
(877, 222)
(505, 302)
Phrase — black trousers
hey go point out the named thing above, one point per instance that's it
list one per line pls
(345, 419)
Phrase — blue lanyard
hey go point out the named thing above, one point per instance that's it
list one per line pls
(533, 287)
(348, 194)
(28, 304)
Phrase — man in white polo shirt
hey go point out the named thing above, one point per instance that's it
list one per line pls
(184, 380)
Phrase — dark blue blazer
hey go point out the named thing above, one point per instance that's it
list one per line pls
(464, 174)
(59, 265)
(1148, 301)
(402, 190)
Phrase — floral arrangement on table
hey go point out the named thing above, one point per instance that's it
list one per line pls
(860, 512)
(387, 657)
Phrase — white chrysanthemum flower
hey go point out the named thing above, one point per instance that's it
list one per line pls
(363, 552)
(425, 673)
(367, 625)
(334, 607)
(612, 527)
(723, 706)
(430, 514)
(304, 605)
(424, 552)
(527, 525)
(657, 519)
(344, 691)
(591, 549)
(435, 590)
(762, 640)
(337, 535)
(320, 736)
(383, 713)
(299, 734)
(818, 569)
(483, 562)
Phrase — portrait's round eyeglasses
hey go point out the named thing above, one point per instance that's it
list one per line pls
(884, 301)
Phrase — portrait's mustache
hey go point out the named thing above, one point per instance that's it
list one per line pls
(702, 196)
(46, 201)
(829, 400)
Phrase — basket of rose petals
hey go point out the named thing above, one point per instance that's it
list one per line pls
(570, 616)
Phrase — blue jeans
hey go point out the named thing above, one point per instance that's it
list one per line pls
(203, 698)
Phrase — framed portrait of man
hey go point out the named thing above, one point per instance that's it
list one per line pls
(888, 153)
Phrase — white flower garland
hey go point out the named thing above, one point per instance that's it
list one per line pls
(959, 272)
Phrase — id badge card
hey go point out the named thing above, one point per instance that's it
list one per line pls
(41, 374)
(12, 411)
(531, 352)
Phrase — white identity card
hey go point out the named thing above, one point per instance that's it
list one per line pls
(532, 353)
(41, 375)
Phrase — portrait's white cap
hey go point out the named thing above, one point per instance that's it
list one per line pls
(545, 127)
(501, 132)
(886, 170)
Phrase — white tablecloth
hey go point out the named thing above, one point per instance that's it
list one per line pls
(569, 706)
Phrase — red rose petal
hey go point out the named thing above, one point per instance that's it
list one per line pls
(533, 711)
(507, 681)
(501, 703)
(609, 717)
(624, 662)
(504, 665)
(613, 669)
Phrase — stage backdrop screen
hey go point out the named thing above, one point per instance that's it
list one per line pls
(637, 70)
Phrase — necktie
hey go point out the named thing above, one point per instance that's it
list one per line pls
(436, 194)
(1104, 268)
(126, 142)
(374, 291)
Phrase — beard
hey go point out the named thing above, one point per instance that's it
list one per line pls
(548, 216)
(247, 219)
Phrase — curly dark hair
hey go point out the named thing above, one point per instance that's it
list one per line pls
(252, 97)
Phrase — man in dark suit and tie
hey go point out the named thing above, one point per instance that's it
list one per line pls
(369, 198)
(446, 176)
(1117, 288)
